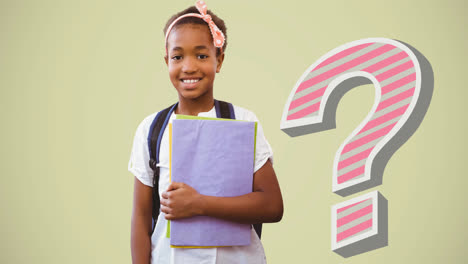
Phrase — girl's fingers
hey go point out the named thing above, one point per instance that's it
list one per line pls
(166, 209)
(171, 187)
(169, 217)
(175, 186)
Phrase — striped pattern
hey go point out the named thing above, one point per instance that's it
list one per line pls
(393, 69)
(353, 220)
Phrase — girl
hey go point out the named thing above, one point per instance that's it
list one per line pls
(195, 46)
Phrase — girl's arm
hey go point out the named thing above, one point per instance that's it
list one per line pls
(263, 205)
(141, 223)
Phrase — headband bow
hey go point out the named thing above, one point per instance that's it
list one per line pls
(218, 36)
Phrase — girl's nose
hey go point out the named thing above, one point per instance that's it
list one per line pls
(189, 65)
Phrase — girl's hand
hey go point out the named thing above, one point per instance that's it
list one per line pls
(180, 201)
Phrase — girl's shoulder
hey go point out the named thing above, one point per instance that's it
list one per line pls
(145, 124)
(244, 114)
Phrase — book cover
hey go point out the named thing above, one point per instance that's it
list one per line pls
(216, 158)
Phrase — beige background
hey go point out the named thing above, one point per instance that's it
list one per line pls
(77, 77)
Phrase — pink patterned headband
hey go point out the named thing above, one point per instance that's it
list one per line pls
(218, 36)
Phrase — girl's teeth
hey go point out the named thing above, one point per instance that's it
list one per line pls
(190, 81)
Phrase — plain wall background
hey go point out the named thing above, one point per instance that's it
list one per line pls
(77, 77)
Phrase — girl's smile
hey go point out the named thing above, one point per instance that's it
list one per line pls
(190, 83)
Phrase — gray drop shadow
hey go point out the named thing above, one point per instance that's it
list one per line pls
(374, 242)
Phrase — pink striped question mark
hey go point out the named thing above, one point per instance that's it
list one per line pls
(359, 225)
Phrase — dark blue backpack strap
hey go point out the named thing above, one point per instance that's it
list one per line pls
(157, 130)
(154, 143)
(224, 110)
(153, 124)
(258, 230)
(161, 131)
(231, 111)
(217, 108)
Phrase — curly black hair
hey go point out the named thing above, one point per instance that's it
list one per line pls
(196, 20)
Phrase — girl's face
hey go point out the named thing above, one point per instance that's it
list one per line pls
(192, 61)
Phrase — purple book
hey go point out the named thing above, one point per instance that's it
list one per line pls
(216, 158)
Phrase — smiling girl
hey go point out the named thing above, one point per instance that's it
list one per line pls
(195, 46)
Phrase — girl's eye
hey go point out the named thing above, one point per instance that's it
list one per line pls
(202, 56)
(177, 57)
